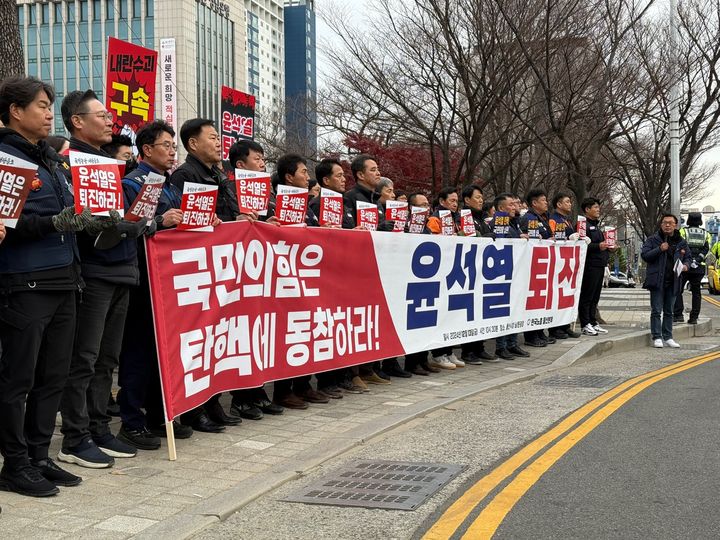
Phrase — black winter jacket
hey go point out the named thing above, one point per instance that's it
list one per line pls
(596, 257)
(656, 259)
(194, 170)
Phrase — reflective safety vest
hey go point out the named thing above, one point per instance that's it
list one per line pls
(696, 238)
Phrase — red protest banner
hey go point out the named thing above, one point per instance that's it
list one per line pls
(146, 202)
(397, 212)
(331, 208)
(611, 237)
(237, 117)
(16, 178)
(582, 226)
(447, 227)
(367, 216)
(253, 191)
(130, 87)
(97, 183)
(291, 205)
(198, 207)
(418, 217)
(467, 225)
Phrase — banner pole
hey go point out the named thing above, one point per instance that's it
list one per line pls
(172, 452)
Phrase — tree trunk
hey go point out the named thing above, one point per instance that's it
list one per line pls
(11, 53)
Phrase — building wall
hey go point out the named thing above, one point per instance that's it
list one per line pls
(266, 52)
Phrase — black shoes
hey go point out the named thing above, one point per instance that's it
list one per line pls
(246, 410)
(60, 477)
(332, 391)
(517, 351)
(571, 334)
(218, 415)
(180, 431)
(26, 480)
(472, 359)
(268, 407)
(678, 319)
(534, 343)
(692, 321)
(397, 371)
(549, 340)
(504, 354)
(142, 439)
(419, 370)
(559, 334)
(203, 423)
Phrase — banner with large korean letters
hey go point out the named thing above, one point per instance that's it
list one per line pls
(253, 303)
(237, 118)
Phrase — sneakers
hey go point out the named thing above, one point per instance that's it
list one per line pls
(55, 474)
(26, 480)
(658, 343)
(142, 438)
(589, 330)
(114, 448)
(86, 454)
(442, 362)
(599, 329)
(672, 343)
(455, 360)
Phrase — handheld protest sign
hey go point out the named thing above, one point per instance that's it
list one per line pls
(397, 212)
(611, 237)
(145, 204)
(16, 179)
(97, 184)
(291, 205)
(367, 215)
(331, 208)
(582, 226)
(447, 227)
(198, 207)
(418, 218)
(501, 224)
(253, 191)
(467, 225)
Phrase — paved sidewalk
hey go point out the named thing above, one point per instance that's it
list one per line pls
(214, 473)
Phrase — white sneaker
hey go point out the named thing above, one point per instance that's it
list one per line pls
(588, 330)
(599, 329)
(441, 362)
(455, 360)
(672, 343)
(657, 343)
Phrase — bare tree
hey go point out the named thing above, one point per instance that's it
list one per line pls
(11, 52)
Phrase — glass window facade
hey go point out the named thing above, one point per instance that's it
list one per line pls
(215, 61)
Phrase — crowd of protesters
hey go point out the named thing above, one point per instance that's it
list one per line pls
(75, 294)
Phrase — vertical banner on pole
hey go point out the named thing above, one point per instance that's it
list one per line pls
(168, 83)
(237, 117)
(130, 87)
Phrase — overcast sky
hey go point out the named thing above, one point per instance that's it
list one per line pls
(358, 10)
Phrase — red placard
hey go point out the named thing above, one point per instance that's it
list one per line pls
(466, 222)
(331, 208)
(447, 227)
(291, 205)
(237, 113)
(16, 179)
(198, 207)
(611, 237)
(418, 218)
(130, 87)
(253, 191)
(397, 212)
(145, 204)
(367, 216)
(582, 226)
(97, 184)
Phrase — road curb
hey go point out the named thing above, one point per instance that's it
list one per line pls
(219, 507)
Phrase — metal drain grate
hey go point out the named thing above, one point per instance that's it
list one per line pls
(392, 485)
(580, 381)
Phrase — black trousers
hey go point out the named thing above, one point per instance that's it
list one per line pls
(139, 374)
(473, 347)
(413, 360)
(36, 332)
(98, 340)
(590, 295)
(695, 280)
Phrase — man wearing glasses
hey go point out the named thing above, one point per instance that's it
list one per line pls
(101, 311)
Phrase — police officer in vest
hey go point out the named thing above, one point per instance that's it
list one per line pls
(698, 239)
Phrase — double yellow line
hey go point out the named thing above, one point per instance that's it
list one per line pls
(712, 301)
(565, 436)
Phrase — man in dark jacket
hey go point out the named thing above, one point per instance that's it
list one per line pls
(596, 261)
(698, 240)
(108, 276)
(665, 252)
(39, 278)
(366, 173)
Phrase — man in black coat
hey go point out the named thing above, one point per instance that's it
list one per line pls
(596, 261)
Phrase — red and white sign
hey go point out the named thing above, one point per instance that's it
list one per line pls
(467, 224)
(447, 226)
(367, 215)
(251, 304)
(16, 178)
(291, 205)
(145, 204)
(582, 226)
(168, 83)
(253, 191)
(97, 184)
(418, 218)
(331, 208)
(198, 207)
(397, 212)
(611, 237)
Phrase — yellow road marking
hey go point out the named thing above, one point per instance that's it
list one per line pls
(486, 524)
(714, 302)
(458, 512)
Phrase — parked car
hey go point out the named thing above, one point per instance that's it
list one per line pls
(620, 280)
(713, 278)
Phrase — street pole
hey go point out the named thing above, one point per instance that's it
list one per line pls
(674, 115)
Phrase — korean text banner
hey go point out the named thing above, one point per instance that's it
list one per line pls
(253, 303)
(237, 117)
(130, 86)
